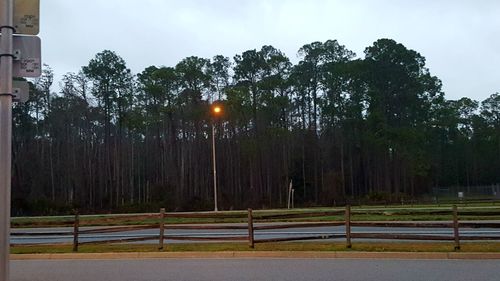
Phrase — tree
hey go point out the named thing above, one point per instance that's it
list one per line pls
(337, 126)
(487, 132)
(219, 73)
(401, 93)
(112, 86)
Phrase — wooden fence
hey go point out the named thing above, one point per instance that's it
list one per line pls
(255, 225)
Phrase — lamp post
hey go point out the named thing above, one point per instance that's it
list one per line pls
(216, 112)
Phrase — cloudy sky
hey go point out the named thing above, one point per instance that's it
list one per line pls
(459, 38)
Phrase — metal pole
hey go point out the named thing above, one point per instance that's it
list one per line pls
(214, 168)
(6, 8)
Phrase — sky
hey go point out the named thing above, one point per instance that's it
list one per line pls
(460, 39)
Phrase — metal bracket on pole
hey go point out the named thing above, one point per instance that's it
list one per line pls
(20, 91)
(17, 54)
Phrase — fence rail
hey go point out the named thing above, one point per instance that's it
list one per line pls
(254, 227)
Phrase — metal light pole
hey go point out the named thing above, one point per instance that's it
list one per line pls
(216, 111)
(214, 167)
(6, 8)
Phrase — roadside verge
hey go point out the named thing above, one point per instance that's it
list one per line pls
(256, 254)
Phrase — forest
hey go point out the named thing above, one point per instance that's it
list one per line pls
(336, 125)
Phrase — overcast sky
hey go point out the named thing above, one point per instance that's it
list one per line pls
(459, 38)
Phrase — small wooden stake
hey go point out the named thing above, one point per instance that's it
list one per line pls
(76, 226)
(455, 228)
(162, 228)
(251, 243)
(348, 226)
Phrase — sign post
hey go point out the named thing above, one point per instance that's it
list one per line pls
(19, 56)
(6, 57)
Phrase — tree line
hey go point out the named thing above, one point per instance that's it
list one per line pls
(335, 125)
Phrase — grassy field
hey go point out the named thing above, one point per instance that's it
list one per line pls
(218, 247)
(363, 213)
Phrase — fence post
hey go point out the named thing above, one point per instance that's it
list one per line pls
(76, 226)
(348, 226)
(162, 228)
(455, 228)
(251, 243)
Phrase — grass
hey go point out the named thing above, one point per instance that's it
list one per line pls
(220, 247)
(365, 213)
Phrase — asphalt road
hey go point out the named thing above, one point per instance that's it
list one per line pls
(253, 269)
(261, 234)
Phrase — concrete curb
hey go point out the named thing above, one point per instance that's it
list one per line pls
(256, 254)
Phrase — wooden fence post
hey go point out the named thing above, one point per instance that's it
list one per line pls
(455, 228)
(251, 243)
(76, 226)
(162, 228)
(348, 226)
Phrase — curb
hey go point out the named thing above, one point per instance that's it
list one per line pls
(259, 254)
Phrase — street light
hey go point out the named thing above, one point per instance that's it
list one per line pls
(216, 112)
(217, 109)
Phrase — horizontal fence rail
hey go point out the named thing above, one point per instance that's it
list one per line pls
(401, 236)
(254, 225)
(201, 238)
(118, 229)
(299, 215)
(205, 215)
(303, 238)
(209, 227)
(298, 225)
(403, 224)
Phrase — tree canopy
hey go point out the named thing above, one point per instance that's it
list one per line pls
(336, 125)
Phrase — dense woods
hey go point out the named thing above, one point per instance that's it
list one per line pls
(335, 124)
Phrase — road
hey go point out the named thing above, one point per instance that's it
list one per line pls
(261, 234)
(252, 269)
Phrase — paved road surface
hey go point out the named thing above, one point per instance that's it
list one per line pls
(252, 269)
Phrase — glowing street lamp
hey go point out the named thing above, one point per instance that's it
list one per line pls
(217, 109)
(216, 112)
